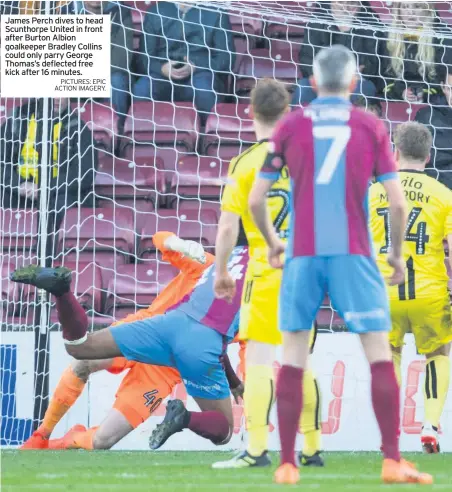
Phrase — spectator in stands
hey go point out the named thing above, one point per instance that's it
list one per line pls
(439, 121)
(411, 61)
(121, 48)
(187, 53)
(72, 159)
(346, 26)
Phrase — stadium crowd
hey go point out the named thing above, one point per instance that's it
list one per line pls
(176, 52)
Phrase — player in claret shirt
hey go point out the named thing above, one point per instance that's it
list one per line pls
(191, 337)
(332, 151)
(259, 310)
(420, 305)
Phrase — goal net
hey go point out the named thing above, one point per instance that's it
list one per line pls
(87, 183)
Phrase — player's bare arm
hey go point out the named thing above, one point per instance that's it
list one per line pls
(258, 208)
(227, 235)
(397, 213)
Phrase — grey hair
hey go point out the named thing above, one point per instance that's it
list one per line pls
(334, 68)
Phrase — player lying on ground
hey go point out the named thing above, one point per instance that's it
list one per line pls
(192, 338)
(420, 305)
(259, 309)
(332, 150)
(144, 386)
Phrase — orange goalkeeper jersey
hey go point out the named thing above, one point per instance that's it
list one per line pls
(182, 284)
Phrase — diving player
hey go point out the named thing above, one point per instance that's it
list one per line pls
(191, 338)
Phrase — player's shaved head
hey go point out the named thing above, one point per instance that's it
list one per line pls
(413, 141)
(269, 101)
(334, 69)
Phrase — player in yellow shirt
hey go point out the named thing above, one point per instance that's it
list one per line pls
(421, 305)
(259, 309)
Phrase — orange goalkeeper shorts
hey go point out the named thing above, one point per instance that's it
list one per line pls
(143, 388)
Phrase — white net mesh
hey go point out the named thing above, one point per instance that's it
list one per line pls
(155, 156)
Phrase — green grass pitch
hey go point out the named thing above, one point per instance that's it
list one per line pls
(179, 471)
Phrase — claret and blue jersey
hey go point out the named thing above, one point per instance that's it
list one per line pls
(192, 335)
(332, 151)
(217, 314)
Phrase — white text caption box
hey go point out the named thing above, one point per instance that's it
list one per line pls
(55, 56)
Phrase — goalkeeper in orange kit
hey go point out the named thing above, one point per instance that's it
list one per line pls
(145, 386)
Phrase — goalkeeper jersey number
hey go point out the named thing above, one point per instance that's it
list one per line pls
(429, 222)
(242, 173)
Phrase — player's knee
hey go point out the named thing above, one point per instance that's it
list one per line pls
(82, 369)
(76, 351)
(224, 439)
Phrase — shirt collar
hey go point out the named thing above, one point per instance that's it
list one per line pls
(331, 100)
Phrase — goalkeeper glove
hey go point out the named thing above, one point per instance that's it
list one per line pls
(191, 249)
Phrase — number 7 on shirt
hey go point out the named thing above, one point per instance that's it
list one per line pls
(339, 136)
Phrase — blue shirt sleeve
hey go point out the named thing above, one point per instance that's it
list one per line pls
(386, 177)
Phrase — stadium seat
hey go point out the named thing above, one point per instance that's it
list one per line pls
(24, 297)
(103, 235)
(229, 131)
(286, 50)
(198, 177)
(259, 65)
(138, 16)
(394, 113)
(95, 322)
(23, 258)
(198, 206)
(129, 182)
(18, 230)
(9, 104)
(20, 322)
(160, 124)
(444, 10)
(169, 156)
(245, 25)
(382, 9)
(87, 284)
(287, 19)
(284, 28)
(135, 287)
(9, 292)
(102, 120)
(188, 224)
(246, 31)
(138, 11)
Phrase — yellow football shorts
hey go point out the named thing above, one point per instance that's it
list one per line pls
(428, 319)
(259, 311)
(260, 304)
